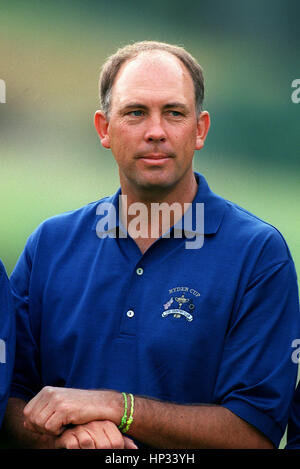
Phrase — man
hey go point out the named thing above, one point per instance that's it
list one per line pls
(7, 339)
(124, 327)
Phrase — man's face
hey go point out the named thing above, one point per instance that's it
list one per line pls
(153, 128)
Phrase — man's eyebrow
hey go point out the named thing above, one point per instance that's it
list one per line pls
(138, 105)
(177, 105)
(133, 106)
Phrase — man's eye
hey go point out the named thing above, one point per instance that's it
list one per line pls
(136, 113)
(175, 113)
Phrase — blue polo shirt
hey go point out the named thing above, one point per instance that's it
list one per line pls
(7, 339)
(209, 325)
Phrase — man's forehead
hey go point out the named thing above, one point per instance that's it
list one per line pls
(154, 71)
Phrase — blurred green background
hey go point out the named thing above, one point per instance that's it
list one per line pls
(50, 56)
(51, 53)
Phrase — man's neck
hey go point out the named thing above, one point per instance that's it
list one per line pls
(148, 214)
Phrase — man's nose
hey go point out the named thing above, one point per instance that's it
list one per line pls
(155, 131)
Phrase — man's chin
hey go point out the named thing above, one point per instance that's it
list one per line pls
(151, 181)
(156, 183)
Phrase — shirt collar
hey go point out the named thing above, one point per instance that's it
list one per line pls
(213, 206)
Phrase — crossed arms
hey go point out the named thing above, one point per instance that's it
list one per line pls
(74, 418)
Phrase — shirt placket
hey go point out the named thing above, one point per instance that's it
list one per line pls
(130, 310)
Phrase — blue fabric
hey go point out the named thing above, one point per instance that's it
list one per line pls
(74, 290)
(7, 339)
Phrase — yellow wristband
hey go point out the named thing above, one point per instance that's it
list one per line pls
(130, 419)
(124, 418)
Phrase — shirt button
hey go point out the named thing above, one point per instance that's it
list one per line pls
(139, 271)
(130, 313)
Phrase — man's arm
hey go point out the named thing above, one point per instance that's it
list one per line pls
(13, 426)
(93, 435)
(167, 425)
(157, 424)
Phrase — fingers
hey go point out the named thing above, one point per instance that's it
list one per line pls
(113, 435)
(44, 423)
(80, 437)
(38, 411)
(85, 439)
(94, 435)
(35, 414)
(67, 440)
(129, 444)
(51, 423)
(46, 411)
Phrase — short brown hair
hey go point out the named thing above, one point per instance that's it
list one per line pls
(112, 65)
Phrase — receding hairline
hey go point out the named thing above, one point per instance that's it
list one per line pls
(115, 62)
(145, 53)
(151, 52)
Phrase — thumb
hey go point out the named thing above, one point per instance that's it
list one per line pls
(129, 444)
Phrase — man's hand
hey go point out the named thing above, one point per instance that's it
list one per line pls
(94, 435)
(52, 409)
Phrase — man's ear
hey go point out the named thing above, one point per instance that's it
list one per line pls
(101, 125)
(202, 129)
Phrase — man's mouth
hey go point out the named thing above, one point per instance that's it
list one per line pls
(155, 158)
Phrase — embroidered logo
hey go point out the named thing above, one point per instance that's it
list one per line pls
(185, 304)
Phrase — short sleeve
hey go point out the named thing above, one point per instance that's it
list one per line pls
(257, 374)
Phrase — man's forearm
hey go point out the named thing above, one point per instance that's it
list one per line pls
(155, 423)
(165, 425)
